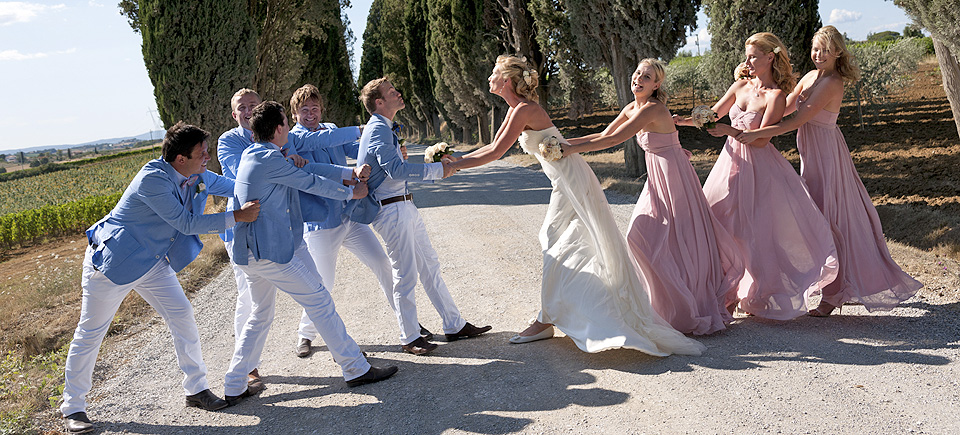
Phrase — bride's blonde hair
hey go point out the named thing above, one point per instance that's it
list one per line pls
(831, 38)
(521, 75)
(782, 71)
(659, 72)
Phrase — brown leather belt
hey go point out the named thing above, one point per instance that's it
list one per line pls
(407, 197)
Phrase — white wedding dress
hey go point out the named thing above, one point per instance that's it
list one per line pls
(591, 290)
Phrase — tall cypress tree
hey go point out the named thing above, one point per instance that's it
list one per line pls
(733, 21)
(328, 67)
(197, 55)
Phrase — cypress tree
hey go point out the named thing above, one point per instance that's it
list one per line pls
(733, 21)
(197, 55)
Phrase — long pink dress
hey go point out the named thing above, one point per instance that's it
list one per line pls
(690, 264)
(867, 273)
(787, 243)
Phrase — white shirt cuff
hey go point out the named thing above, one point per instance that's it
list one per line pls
(432, 171)
(347, 174)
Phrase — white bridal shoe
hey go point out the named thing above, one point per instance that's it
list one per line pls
(542, 335)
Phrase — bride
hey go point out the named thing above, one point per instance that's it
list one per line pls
(590, 289)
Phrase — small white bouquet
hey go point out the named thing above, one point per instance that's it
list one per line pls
(703, 116)
(550, 149)
(436, 152)
(741, 72)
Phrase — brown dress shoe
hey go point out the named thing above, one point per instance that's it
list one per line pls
(303, 349)
(253, 380)
(375, 374)
(419, 346)
(468, 331)
(206, 400)
(77, 423)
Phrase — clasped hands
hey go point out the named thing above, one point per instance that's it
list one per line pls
(359, 181)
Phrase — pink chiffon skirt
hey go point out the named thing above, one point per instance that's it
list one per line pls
(867, 273)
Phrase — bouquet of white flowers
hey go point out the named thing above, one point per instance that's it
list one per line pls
(703, 116)
(436, 152)
(550, 149)
(741, 72)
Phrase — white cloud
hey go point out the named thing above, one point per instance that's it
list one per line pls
(838, 16)
(17, 55)
(95, 4)
(896, 27)
(22, 12)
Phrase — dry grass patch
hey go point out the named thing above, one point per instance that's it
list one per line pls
(40, 306)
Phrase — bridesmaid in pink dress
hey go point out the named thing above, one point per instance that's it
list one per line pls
(759, 198)
(690, 265)
(867, 273)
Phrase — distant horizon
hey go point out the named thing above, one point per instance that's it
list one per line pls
(104, 141)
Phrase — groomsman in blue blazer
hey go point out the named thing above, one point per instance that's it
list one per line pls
(230, 147)
(391, 211)
(272, 254)
(140, 245)
(327, 227)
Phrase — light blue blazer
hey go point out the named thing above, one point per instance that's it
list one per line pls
(265, 175)
(320, 212)
(151, 221)
(230, 148)
(378, 148)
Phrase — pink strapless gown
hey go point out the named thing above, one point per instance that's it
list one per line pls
(867, 273)
(787, 243)
(690, 264)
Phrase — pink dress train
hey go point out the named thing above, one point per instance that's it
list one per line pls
(690, 264)
(786, 242)
(867, 273)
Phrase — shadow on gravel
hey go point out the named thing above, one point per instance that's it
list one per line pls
(464, 383)
(840, 339)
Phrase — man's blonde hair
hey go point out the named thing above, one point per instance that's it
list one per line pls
(370, 93)
(301, 96)
(241, 93)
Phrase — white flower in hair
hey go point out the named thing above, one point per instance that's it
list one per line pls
(776, 49)
(526, 77)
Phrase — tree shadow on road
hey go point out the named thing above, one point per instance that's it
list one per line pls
(845, 339)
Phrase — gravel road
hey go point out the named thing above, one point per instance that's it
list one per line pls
(881, 373)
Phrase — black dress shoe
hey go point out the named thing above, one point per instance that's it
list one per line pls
(375, 374)
(252, 390)
(427, 335)
(206, 400)
(303, 349)
(77, 423)
(468, 331)
(419, 347)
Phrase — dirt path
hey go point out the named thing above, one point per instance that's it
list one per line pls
(894, 372)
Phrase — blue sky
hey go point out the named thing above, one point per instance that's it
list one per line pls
(72, 72)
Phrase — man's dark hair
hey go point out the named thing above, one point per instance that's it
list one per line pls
(181, 139)
(265, 119)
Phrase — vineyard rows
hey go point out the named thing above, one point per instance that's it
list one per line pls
(64, 202)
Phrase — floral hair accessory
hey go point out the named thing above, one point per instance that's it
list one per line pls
(776, 49)
(526, 77)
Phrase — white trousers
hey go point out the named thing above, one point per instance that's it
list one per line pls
(412, 256)
(324, 245)
(100, 300)
(244, 303)
(299, 279)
